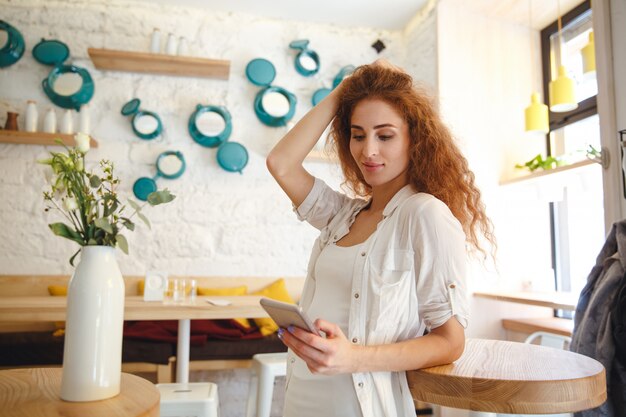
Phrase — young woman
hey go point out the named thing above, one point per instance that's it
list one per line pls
(389, 265)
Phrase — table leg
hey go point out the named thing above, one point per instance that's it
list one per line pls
(182, 352)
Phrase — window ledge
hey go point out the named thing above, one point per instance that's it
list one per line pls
(559, 171)
(554, 300)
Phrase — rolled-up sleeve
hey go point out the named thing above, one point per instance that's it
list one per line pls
(320, 205)
(440, 263)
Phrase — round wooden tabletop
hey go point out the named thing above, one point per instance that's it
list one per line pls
(510, 377)
(34, 392)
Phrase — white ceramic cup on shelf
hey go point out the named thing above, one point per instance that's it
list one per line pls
(155, 41)
(50, 121)
(183, 46)
(67, 122)
(30, 122)
(170, 48)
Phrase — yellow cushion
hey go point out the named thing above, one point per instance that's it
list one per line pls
(240, 290)
(277, 290)
(58, 290)
(233, 291)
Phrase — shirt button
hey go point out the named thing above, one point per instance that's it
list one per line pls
(360, 385)
(355, 340)
(452, 286)
(362, 253)
(292, 360)
(356, 295)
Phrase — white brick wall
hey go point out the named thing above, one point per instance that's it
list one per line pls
(221, 223)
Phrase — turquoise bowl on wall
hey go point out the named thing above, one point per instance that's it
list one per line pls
(72, 101)
(13, 49)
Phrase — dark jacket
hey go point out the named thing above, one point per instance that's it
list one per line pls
(598, 328)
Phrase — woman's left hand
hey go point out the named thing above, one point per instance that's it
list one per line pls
(327, 356)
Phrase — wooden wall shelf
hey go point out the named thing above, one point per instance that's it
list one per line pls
(39, 138)
(108, 59)
(543, 173)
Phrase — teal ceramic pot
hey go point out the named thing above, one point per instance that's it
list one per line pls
(161, 171)
(307, 62)
(343, 73)
(13, 49)
(132, 109)
(71, 101)
(209, 141)
(261, 72)
(269, 119)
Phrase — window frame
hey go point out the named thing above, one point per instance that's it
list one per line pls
(585, 109)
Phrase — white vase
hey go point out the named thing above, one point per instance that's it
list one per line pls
(92, 355)
(155, 41)
(67, 122)
(170, 46)
(30, 122)
(50, 122)
(83, 120)
(183, 47)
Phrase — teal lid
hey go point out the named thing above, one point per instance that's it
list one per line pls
(299, 44)
(232, 156)
(260, 72)
(51, 52)
(143, 187)
(131, 107)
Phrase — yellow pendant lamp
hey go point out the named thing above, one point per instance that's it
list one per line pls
(589, 57)
(537, 115)
(562, 96)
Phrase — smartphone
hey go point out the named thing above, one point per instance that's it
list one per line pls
(285, 315)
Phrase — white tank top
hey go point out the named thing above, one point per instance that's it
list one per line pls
(308, 394)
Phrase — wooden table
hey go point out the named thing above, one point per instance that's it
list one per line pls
(34, 392)
(510, 377)
(15, 309)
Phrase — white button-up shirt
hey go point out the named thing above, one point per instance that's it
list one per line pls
(409, 277)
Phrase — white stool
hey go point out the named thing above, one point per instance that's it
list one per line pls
(265, 368)
(197, 399)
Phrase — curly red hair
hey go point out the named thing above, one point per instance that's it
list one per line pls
(436, 165)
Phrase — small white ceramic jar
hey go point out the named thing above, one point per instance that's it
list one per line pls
(30, 122)
(170, 49)
(50, 121)
(84, 124)
(155, 41)
(67, 122)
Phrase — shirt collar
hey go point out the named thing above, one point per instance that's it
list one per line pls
(402, 194)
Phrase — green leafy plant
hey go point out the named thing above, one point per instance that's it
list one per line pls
(538, 162)
(89, 201)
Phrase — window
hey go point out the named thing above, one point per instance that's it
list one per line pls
(577, 216)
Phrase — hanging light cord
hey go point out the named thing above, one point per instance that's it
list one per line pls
(558, 9)
(530, 32)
